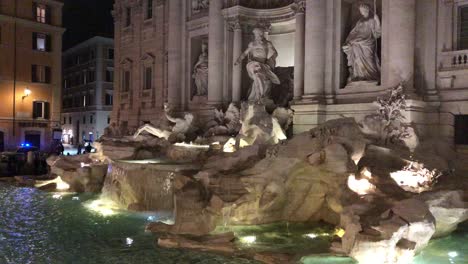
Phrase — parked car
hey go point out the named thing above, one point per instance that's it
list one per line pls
(19, 155)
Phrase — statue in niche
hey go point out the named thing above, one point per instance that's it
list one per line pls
(200, 5)
(261, 61)
(200, 72)
(361, 48)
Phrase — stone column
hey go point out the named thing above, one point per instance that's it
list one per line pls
(215, 53)
(299, 51)
(315, 37)
(237, 69)
(399, 19)
(174, 49)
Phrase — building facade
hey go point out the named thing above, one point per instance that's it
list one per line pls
(30, 72)
(421, 44)
(88, 74)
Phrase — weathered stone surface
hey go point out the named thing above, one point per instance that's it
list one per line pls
(448, 208)
(130, 184)
(221, 243)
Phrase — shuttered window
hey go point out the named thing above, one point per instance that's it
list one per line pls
(41, 110)
(463, 34)
(40, 74)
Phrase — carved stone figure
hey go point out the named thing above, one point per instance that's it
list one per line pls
(225, 124)
(200, 72)
(181, 127)
(200, 5)
(361, 48)
(261, 56)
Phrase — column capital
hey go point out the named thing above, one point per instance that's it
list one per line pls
(235, 25)
(299, 6)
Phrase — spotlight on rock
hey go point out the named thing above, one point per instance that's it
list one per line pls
(360, 186)
(248, 239)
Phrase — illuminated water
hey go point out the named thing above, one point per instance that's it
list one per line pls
(36, 228)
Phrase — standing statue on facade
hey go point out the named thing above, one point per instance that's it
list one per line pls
(261, 56)
(361, 48)
(199, 5)
(200, 72)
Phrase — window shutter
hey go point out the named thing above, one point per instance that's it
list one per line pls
(48, 43)
(36, 110)
(34, 11)
(46, 110)
(34, 73)
(34, 41)
(47, 75)
(48, 15)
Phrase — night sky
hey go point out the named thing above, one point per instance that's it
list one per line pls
(85, 19)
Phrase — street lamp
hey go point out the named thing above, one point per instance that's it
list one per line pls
(27, 92)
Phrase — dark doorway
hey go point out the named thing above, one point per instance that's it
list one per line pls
(461, 130)
(2, 141)
(33, 139)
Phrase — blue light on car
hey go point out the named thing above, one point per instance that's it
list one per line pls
(27, 145)
(22, 144)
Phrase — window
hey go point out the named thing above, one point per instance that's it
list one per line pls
(126, 81)
(84, 100)
(149, 9)
(69, 120)
(40, 74)
(41, 42)
(109, 99)
(110, 54)
(42, 13)
(148, 78)
(84, 120)
(91, 119)
(108, 120)
(461, 130)
(65, 83)
(128, 16)
(64, 120)
(463, 32)
(109, 75)
(41, 110)
(91, 76)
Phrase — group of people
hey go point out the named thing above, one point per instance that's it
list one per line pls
(81, 149)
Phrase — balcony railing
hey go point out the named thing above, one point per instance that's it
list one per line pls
(454, 60)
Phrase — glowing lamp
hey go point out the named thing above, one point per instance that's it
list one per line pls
(27, 93)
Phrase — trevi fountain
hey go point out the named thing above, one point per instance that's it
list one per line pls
(242, 185)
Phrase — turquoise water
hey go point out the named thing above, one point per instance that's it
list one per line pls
(40, 228)
(36, 228)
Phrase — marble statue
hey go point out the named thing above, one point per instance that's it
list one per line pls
(225, 123)
(199, 5)
(200, 72)
(261, 56)
(361, 48)
(181, 127)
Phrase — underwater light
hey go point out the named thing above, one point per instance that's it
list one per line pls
(340, 232)
(76, 198)
(248, 239)
(57, 196)
(151, 218)
(453, 254)
(311, 236)
(191, 145)
(129, 241)
(103, 207)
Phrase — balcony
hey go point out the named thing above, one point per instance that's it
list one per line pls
(454, 60)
